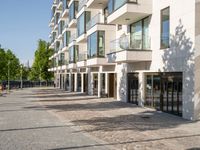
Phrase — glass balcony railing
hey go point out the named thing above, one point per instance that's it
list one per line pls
(82, 56)
(113, 5)
(130, 42)
(81, 4)
(72, 37)
(94, 20)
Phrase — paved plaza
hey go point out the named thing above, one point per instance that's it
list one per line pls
(54, 119)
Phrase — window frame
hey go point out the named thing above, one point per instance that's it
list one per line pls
(161, 29)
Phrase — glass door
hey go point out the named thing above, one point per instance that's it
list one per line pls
(133, 86)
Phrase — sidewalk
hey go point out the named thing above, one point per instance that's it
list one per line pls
(121, 125)
(25, 125)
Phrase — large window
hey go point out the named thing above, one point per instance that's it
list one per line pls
(73, 9)
(82, 21)
(96, 44)
(140, 34)
(73, 54)
(66, 38)
(65, 4)
(165, 26)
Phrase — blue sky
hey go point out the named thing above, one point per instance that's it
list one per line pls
(22, 24)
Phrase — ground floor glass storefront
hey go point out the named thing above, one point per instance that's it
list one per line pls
(163, 91)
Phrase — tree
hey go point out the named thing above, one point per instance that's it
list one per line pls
(9, 60)
(3, 64)
(14, 65)
(41, 62)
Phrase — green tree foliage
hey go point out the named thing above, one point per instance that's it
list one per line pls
(41, 62)
(9, 60)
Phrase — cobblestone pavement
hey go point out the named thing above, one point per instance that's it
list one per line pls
(26, 125)
(123, 126)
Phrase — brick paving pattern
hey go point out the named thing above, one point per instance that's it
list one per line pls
(26, 125)
(123, 126)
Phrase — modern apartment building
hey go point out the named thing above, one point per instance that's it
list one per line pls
(145, 52)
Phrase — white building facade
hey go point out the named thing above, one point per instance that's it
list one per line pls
(145, 52)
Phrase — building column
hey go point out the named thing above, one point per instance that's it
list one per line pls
(106, 83)
(90, 82)
(70, 82)
(82, 83)
(141, 95)
(122, 88)
(75, 82)
(99, 84)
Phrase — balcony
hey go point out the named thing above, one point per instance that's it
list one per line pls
(73, 10)
(82, 59)
(128, 11)
(95, 4)
(96, 23)
(72, 24)
(126, 50)
(97, 61)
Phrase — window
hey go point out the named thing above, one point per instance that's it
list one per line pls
(96, 44)
(73, 54)
(140, 34)
(165, 26)
(82, 21)
(66, 38)
(101, 43)
(65, 4)
(119, 27)
(115, 4)
(105, 14)
(73, 9)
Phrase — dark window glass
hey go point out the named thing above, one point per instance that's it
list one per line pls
(93, 51)
(73, 9)
(73, 54)
(66, 38)
(165, 25)
(82, 21)
(140, 34)
(110, 6)
(96, 44)
(101, 43)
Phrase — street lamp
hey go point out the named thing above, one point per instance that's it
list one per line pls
(21, 76)
(8, 75)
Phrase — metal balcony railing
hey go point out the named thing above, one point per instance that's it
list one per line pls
(130, 42)
(93, 21)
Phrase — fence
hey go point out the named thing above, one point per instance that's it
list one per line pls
(27, 84)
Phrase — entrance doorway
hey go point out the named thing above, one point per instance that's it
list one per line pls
(67, 83)
(78, 82)
(164, 92)
(171, 93)
(112, 85)
(72, 83)
(95, 84)
(133, 86)
(85, 88)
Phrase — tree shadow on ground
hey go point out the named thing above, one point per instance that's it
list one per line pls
(144, 121)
